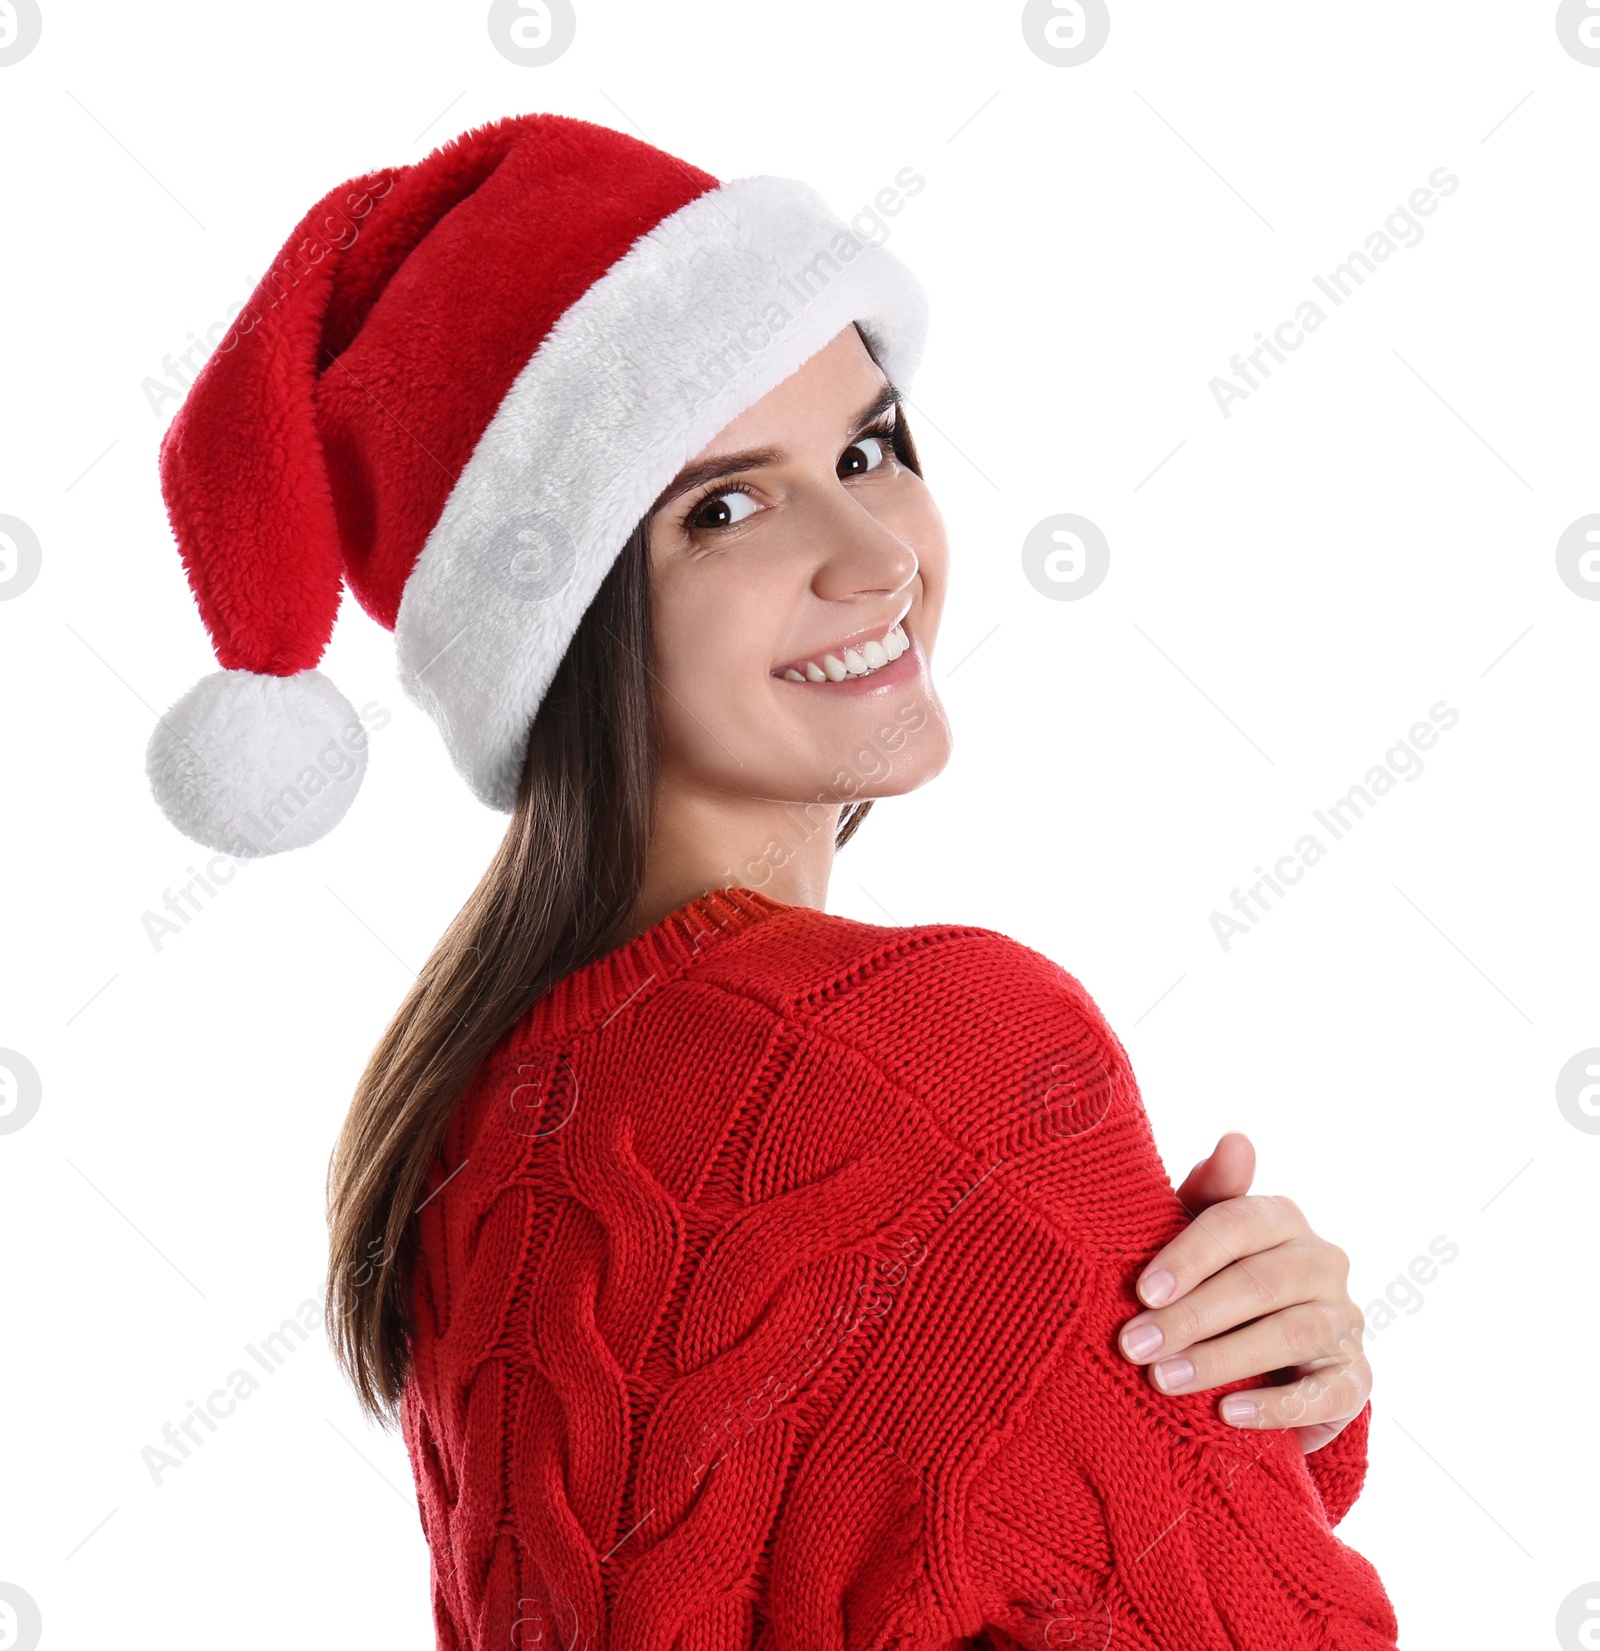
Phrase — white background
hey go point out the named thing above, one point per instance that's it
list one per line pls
(1292, 588)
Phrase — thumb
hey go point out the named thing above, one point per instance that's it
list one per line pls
(1226, 1173)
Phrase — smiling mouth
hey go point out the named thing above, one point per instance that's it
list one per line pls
(860, 658)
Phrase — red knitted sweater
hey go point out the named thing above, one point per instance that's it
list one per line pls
(769, 1299)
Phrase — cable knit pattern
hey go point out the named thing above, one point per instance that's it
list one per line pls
(772, 1274)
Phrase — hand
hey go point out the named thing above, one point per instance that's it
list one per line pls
(1253, 1263)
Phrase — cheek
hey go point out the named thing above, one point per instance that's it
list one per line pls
(916, 521)
(709, 638)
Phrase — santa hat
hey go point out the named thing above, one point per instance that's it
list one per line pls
(457, 390)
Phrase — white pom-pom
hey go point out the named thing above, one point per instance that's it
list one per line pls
(251, 765)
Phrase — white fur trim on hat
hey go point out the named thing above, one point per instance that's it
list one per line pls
(702, 316)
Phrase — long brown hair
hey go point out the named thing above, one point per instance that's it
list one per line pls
(568, 871)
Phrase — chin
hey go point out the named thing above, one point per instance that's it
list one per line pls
(875, 772)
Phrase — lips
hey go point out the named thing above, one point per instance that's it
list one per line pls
(857, 655)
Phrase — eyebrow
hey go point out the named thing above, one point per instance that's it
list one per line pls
(752, 458)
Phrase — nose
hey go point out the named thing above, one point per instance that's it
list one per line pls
(858, 554)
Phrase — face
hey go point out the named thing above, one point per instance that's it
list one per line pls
(797, 583)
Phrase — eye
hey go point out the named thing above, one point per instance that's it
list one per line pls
(863, 454)
(722, 509)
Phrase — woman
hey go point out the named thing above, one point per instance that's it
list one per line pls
(742, 1275)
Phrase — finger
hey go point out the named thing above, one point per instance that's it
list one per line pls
(1226, 1173)
(1216, 1238)
(1254, 1289)
(1330, 1398)
(1313, 1438)
(1299, 1338)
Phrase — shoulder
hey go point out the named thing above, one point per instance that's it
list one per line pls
(828, 968)
(960, 1014)
(1007, 1055)
(991, 1032)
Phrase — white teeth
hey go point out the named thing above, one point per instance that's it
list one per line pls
(869, 657)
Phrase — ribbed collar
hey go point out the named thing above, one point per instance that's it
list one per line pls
(660, 953)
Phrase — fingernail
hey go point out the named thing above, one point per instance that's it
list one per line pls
(1173, 1373)
(1238, 1410)
(1157, 1287)
(1142, 1340)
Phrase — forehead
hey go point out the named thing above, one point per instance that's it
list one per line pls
(820, 397)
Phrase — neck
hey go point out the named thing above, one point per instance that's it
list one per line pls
(704, 839)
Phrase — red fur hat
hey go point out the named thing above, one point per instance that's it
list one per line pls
(456, 391)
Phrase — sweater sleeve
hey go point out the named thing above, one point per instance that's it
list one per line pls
(1339, 1469)
(1104, 1512)
(1112, 1515)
